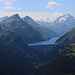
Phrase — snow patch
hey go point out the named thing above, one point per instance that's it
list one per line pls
(62, 19)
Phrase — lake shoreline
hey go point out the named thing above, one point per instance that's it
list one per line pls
(49, 42)
(43, 48)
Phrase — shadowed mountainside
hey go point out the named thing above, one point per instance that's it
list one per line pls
(27, 33)
(16, 58)
(42, 29)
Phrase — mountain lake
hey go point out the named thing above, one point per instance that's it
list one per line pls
(49, 42)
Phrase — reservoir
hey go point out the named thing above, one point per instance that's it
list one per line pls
(49, 42)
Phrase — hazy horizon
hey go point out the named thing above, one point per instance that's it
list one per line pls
(38, 10)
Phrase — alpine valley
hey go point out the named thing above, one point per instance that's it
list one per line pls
(17, 58)
(43, 30)
(61, 25)
(25, 30)
(60, 60)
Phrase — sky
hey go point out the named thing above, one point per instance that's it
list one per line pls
(44, 10)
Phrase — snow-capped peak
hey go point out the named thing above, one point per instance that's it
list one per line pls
(63, 18)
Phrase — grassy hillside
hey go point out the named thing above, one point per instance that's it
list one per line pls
(67, 38)
(62, 65)
(60, 60)
(16, 58)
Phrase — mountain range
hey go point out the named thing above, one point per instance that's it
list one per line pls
(27, 28)
(27, 33)
(60, 60)
(61, 25)
(3, 18)
(17, 58)
(44, 30)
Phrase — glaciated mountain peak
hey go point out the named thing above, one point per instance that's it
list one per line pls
(63, 18)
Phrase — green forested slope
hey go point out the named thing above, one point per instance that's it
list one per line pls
(27, 33)
(16, 58)
(64, 64)
(60, 60)
(68, 38)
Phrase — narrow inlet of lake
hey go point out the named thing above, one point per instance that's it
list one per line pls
(49, 42)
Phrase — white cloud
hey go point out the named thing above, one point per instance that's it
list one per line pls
(19, 8)
(2, 0)
(45, 18)
(49, 16)
(8, 3)
(9, 7)
(11, 0)
(52, 4)
(56, 14)
(36, 16)
(7, 0)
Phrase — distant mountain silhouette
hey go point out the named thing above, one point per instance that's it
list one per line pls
(46, 32)
(61, 25)
(3, 18)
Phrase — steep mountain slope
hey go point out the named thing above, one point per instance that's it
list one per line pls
(63, 65)
(16, 58)
(68, 38)
(29, 20)
(44, 30)
(60, 60)
(64, 19)
(62, 24)
(1, 29)
(62, 45)
(27, 33)
(3, 18)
